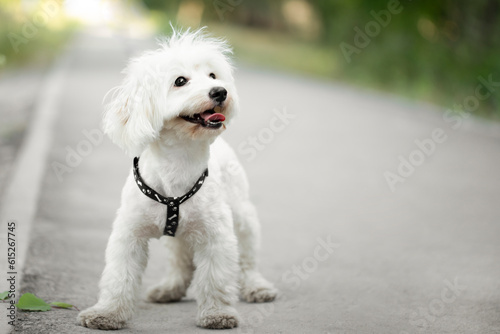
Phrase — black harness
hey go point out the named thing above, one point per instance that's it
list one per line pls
(172, 203)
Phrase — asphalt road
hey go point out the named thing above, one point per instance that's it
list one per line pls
(348, 253)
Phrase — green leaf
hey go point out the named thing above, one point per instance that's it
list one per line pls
(61, 305)
(30, 302)
(4, 295)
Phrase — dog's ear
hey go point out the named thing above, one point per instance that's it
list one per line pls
(133, 119)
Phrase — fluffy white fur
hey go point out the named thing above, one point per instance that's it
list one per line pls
(218, 235)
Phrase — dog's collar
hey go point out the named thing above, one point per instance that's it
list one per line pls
(172, 203)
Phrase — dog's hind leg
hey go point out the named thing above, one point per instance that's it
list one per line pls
(254, 287)
(180, 273)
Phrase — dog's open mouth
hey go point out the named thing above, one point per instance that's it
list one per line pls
(208, 118)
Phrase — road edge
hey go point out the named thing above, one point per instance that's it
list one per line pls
(23, 188)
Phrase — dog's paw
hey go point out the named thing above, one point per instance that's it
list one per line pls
(165, 294)
(259, 294)
(219, 319)
(256, 289)
(99, 319)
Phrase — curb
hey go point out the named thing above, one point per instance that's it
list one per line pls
(21, 197)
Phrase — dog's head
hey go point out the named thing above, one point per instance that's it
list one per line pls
(182, 91)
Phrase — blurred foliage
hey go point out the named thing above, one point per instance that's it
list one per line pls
(33, 32)
(430, 50)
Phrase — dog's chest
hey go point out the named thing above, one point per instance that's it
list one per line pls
(194, 216)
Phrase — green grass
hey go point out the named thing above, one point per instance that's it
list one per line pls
(279, 50)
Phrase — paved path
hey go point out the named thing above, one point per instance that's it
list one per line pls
(348, 254)
(18, 91)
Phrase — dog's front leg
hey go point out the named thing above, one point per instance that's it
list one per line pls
(126, 259)
(216, 281)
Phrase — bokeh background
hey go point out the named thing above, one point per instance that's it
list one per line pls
(425, 50)
(365, 85)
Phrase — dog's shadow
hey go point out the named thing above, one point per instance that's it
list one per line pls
(146, 305)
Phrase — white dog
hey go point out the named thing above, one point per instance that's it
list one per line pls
(169, 110)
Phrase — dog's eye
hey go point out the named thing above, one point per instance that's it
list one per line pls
(180, 81)
(211, 75)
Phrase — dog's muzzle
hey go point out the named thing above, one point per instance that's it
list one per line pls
(208, 119)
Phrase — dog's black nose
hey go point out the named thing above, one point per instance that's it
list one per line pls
(218, 94)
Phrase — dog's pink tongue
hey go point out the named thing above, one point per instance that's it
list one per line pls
(215, 117)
